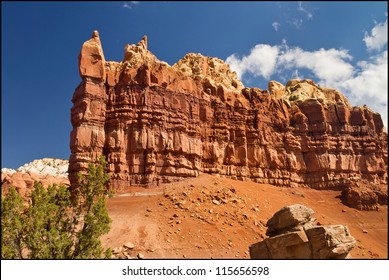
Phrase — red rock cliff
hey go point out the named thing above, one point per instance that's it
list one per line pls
(158, 123)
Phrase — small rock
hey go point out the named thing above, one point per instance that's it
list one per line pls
(210, 211)
(343, 210)
(128, 256)
(148, 210)
(364, 231)
(184, 256)
(116, 250)
(129, 245)
(216, 202)
(140, 256)
(123, 257)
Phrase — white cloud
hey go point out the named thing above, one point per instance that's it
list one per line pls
(276, 25)
(369, 85)
(329, 66)
(126, 6)
(297, 22)
(296, 75)
(363, 82)
(131, 5)
(301, 9)
(260, 62)
(378, 38)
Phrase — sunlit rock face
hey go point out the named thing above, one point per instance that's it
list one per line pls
(48, 171)
(157, 123)
(295, 234)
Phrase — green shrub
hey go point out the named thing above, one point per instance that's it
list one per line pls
(54, 225)
(293, 97)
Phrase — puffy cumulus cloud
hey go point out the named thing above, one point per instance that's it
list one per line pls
(260, 62)
(378, 37)
(369, 85)
(363, 82)
(329, 66)
(265, 60)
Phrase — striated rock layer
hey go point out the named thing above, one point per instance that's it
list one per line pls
(158, 123)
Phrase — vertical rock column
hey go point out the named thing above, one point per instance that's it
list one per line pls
(89, 109)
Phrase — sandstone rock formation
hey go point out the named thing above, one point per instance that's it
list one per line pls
(293, 234)
(364, 197)
(46, 166)
(47, 170)
(158, 123)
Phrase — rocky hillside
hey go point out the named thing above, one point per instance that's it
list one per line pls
(46, 170)
(158, 123)
(214, 217)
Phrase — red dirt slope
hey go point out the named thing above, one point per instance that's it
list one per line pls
(210, 217)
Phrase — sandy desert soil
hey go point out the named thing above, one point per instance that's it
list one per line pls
(210, 217)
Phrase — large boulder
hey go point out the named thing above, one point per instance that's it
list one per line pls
(289, 219)
(330, 242)
(364, 198)
(294, 235)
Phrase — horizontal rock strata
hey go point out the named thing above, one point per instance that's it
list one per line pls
(158, 123)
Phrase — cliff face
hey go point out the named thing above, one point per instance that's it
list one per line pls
(157, 123)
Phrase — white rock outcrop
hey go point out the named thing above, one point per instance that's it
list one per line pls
(46, 166)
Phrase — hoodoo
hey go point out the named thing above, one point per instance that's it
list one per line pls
(157, 123)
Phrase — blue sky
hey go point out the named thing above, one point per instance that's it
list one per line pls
(337, 44)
